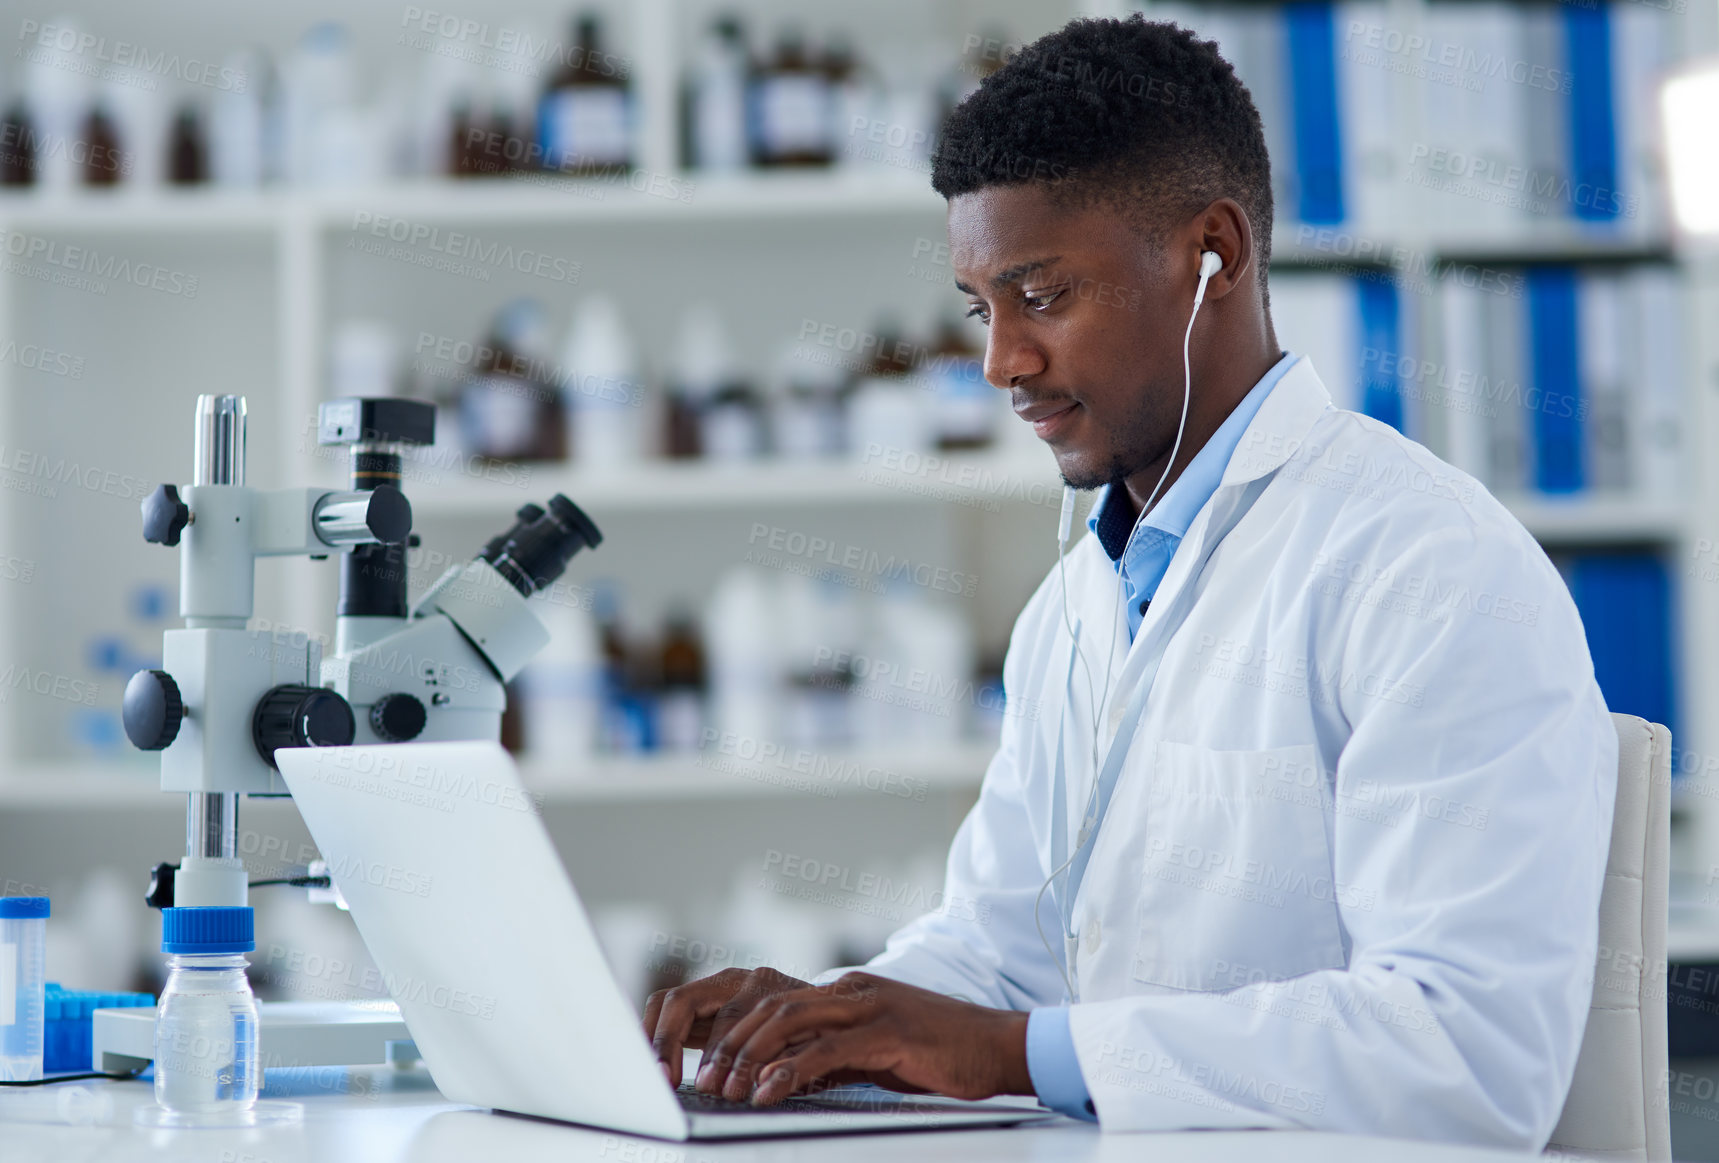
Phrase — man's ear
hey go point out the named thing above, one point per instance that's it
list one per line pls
(1224, 229)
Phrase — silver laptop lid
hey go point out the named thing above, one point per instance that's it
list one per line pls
(458, 893)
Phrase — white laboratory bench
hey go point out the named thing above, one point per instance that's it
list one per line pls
(384, 1115)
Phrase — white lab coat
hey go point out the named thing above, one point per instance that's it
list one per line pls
(1350, 878)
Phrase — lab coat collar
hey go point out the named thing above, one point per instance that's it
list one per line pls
(1277, 433)
(1280, 428)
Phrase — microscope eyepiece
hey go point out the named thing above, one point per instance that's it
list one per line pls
(528, 512)
(537, 550)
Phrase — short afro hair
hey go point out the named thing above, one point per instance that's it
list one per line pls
(1132, 113)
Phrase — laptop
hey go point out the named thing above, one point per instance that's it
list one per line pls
(452, 880)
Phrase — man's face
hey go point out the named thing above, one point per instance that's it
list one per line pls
(1085, 326)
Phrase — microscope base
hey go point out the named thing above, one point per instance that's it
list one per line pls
(293, 1033)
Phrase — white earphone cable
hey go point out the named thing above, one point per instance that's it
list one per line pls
(1087, 831)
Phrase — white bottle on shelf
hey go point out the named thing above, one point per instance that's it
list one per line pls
(717, 94)
(859, 108)
(238, 122)
(892, 409)
(603, 393)
(819, 623)
(140, 115)
(319, 98)
(57, 95)
(562, 688)
(744, 657)
(807, 420)
(363, 359)
(915, 684)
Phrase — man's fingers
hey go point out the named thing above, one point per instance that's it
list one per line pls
(681, 1013)
(653, 1007)
(764, 1034)
(731, 1014)
(719, 1051)
(823, 1062)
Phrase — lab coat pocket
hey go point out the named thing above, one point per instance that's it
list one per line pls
(1237, 885)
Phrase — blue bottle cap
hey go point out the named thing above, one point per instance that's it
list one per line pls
(18, 908)
(210, 929)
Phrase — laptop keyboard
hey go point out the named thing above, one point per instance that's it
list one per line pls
(707, 1104)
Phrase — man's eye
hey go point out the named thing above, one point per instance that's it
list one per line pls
(1040, 301)
(978, 311)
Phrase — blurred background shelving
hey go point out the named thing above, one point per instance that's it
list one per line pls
(364, 264)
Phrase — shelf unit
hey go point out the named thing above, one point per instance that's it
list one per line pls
(298, 228)
(297, 289)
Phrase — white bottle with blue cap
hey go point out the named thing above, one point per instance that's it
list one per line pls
(206, 1021)
(23, 968)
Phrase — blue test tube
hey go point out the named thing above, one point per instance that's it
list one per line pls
(23, 969)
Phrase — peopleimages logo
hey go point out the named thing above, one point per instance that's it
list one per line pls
(464, 253)
(62, 46)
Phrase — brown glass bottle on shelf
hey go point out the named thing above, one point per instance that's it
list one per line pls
(17, 146)
(682, 418)
(504, 146)
(187, 149)
(462, 158)
(680, 703)
(792, 107)
(103, 159)
(510, 409)
(893, 358)
(584, 121)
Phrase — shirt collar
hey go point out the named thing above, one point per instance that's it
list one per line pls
(1181, 503)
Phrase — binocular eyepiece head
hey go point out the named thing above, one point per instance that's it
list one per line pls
(535, 552)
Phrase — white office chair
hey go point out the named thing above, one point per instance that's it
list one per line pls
(1619, 1105)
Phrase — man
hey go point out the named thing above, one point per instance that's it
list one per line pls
(1313, 828)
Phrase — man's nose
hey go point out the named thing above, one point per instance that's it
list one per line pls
(1010, 358)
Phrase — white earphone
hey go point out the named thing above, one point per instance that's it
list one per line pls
(1210, 264)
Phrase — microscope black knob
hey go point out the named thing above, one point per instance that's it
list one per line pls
(152, 710)
(295, 715)
(398, 717)
(165, 515)
(160, 894)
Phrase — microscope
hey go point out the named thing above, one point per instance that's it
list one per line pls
(227, 696)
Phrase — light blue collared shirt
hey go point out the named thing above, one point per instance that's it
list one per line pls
(1051, 1060)
(1148, 557)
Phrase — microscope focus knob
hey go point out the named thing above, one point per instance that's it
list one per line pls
(295, 715)
(165, 515)
(152, 710)
(398, 717)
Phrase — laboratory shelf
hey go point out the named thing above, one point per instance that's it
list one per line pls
(981, 481)
(85, 786)
(1599, 520)
(142, 215)
(909, 774)
(1416, 250)
(694, 198)
(676, 197)
(509, 203)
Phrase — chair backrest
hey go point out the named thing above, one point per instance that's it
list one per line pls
(1619, 1106)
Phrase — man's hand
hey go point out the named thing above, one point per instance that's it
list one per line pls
(700, 1013)
(861, 1028)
